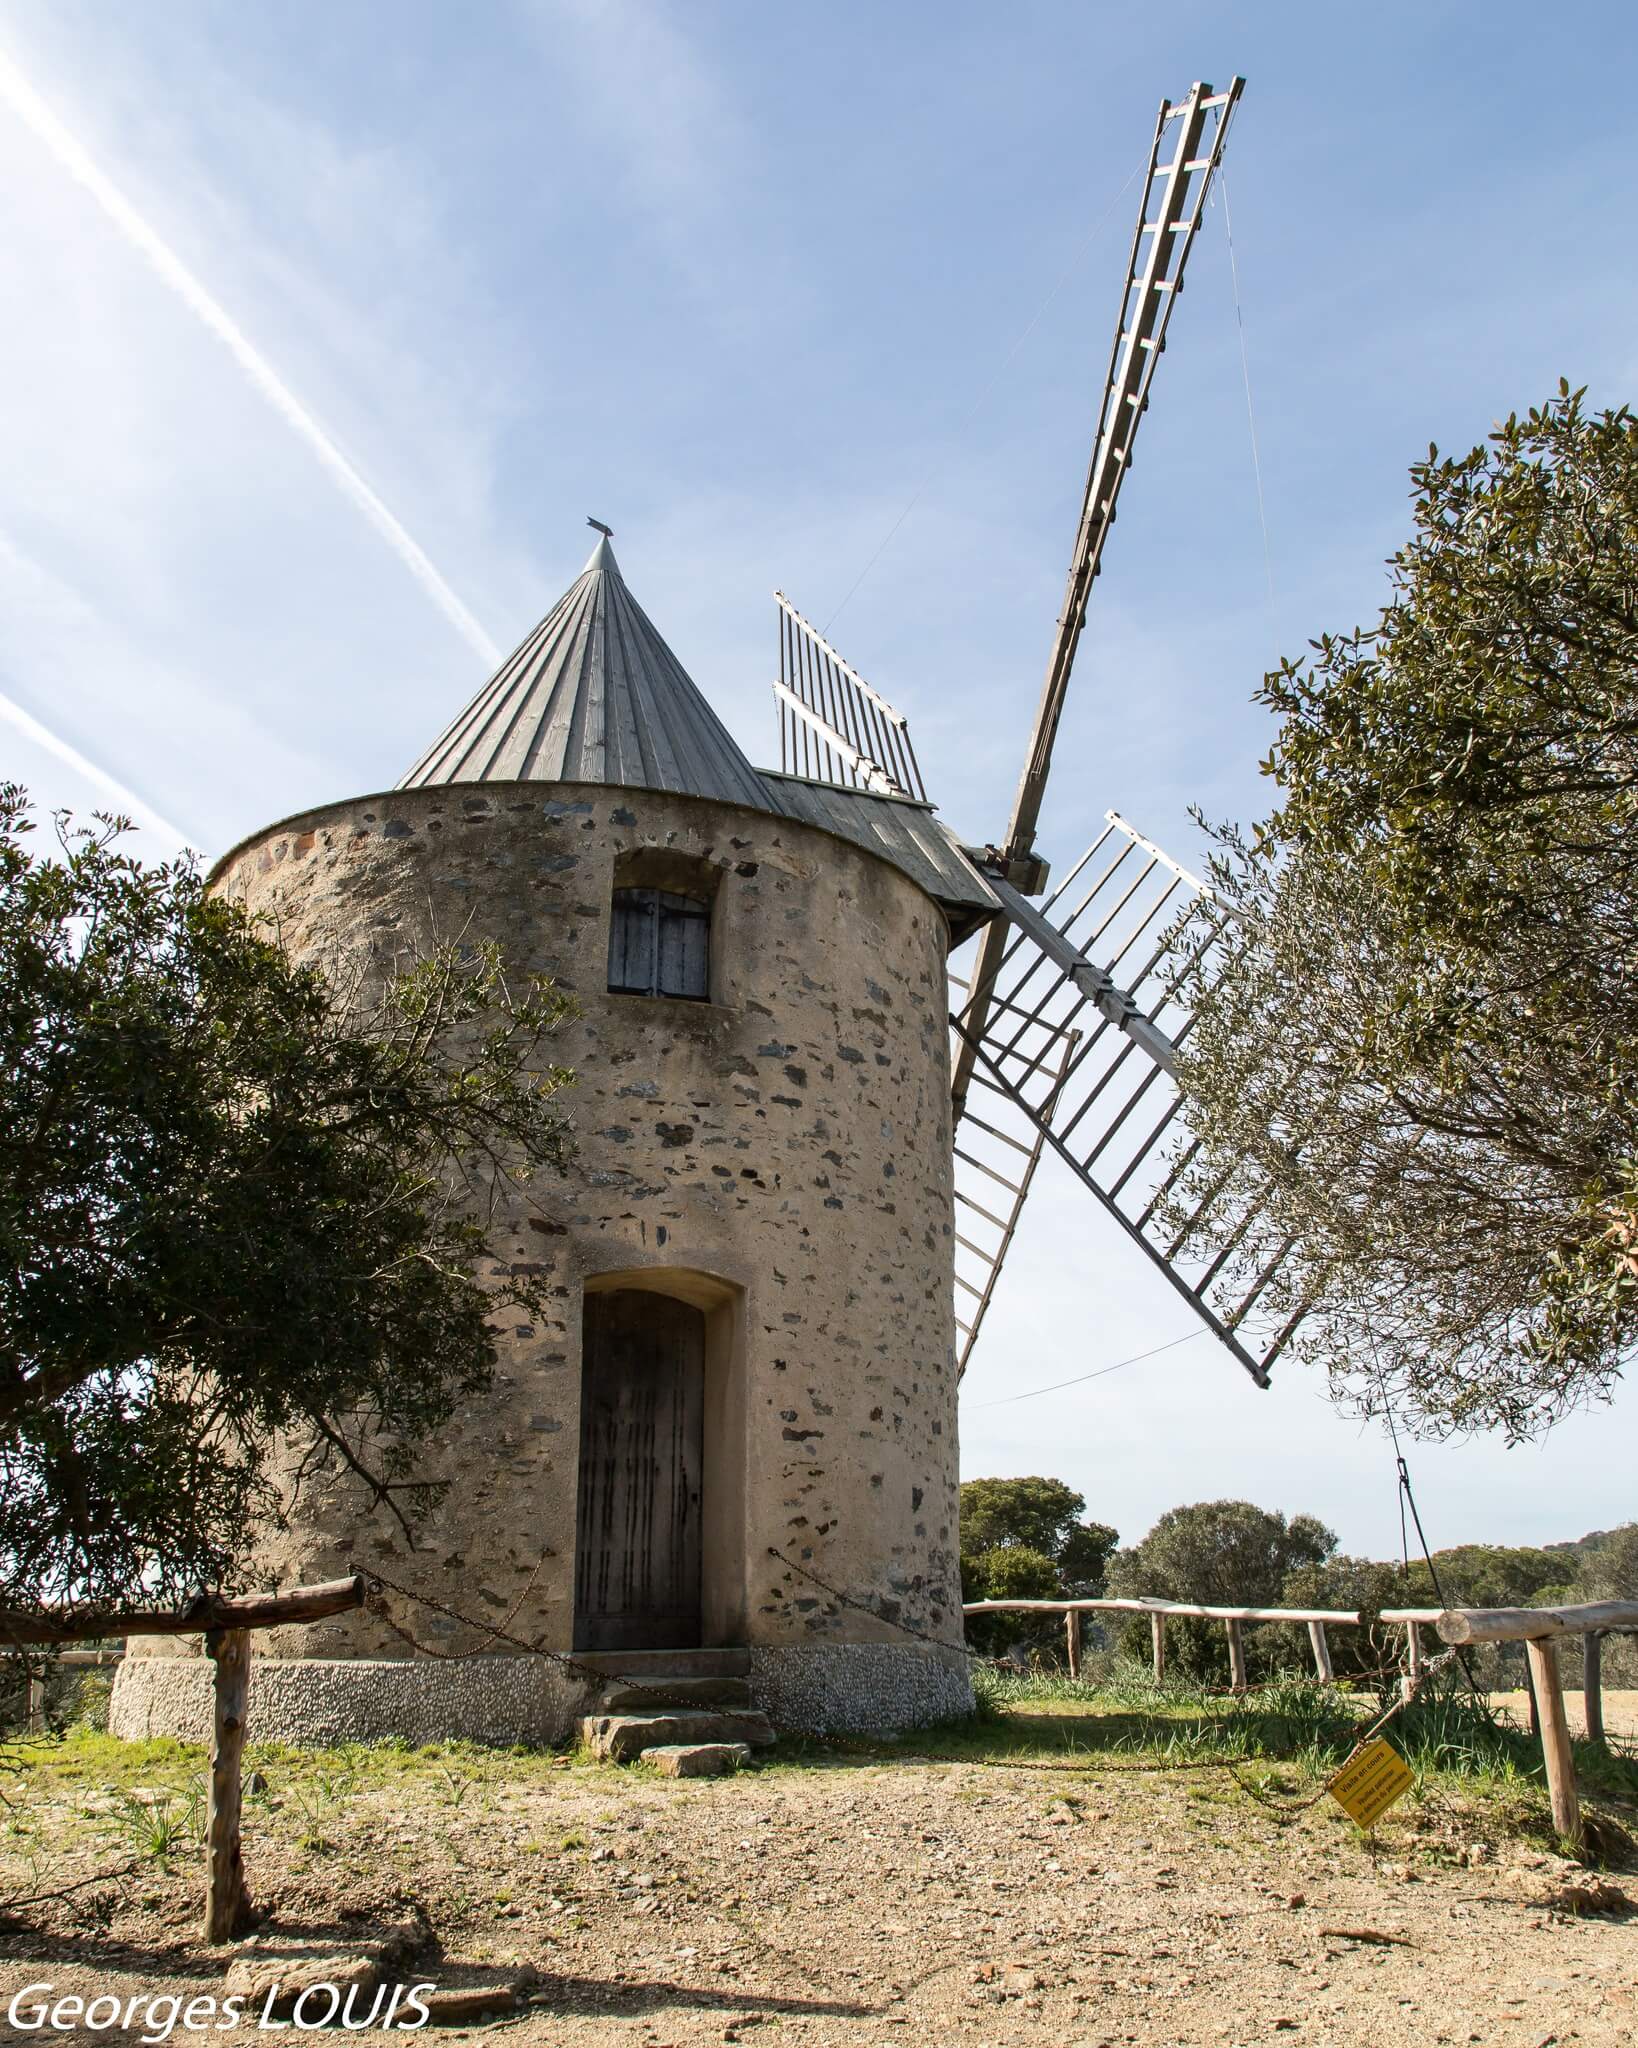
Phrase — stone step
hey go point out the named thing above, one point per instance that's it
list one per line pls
(727, 1663)
(696, 1759)
(463, 2005)
(629, 1693)
(617, 1738)
(271, 1971)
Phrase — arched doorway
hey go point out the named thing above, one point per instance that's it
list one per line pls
(638, 1518)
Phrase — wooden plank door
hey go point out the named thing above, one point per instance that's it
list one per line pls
(637, 1541)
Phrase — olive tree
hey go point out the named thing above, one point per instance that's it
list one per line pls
(238, 1202)
(1424, 1030)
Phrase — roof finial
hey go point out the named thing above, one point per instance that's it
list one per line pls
(602, 561)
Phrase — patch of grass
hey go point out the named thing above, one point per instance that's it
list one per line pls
(25, 1849)
(457, 1785)
(1040, 1718)
(90, 1756)
(315, 1806)
(997, 1691)
(159, 1825)
(1287, 1739)
(1444, 1734)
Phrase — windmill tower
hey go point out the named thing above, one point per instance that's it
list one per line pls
(730, 1456)
(750, 1374)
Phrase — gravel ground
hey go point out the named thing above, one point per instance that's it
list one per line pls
(870, 1902)
(1620, 1711)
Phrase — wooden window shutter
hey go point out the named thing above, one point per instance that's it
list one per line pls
(684, 947)
(660, 945)
(632, 942)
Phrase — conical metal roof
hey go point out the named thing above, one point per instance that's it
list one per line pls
(593, 695)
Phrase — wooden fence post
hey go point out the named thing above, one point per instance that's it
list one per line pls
(1072, 1638)
(1413, 1661)
(1555, 1738)
(1322, 1652)
(227, 1908)
(1592, 1684)
(36, 1700)
(1407, 1686)
(1157, 1637)
(1237, 1656)
(1530, 1693)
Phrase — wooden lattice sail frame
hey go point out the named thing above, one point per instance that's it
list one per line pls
(1066, 1033)
(1092, 999)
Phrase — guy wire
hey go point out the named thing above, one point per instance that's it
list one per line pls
(1251, 414)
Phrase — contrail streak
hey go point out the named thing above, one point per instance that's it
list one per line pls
(26, 103)
(127, 799)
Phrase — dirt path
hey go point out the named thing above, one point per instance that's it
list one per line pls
(1620, 1711)
(903, 1902)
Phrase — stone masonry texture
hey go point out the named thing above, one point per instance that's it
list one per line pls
(786, 1144)
(832, 1687)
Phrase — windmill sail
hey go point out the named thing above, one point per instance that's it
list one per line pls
(832, 725)
(1193, 129)
(998, 1148)
(1118, 956)
(1066, 1037)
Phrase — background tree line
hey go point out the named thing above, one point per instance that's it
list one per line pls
(1029, 1539)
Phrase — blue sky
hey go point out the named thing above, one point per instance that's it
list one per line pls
(744, 282)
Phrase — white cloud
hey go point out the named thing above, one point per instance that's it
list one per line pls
(125, 725)
(107, 786)
(200, 614)
(71, 156)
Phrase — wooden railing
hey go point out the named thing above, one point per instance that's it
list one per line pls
(226, 1621)
(1539, 1629)
(1316, 1619)
(37, 1678)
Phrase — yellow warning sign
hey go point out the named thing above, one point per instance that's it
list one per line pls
(1370, 1781)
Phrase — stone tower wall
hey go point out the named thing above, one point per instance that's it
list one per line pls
(780, 1154)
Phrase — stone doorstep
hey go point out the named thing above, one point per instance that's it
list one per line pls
(617, 1738)
(639, 1692)
(696, 1759)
